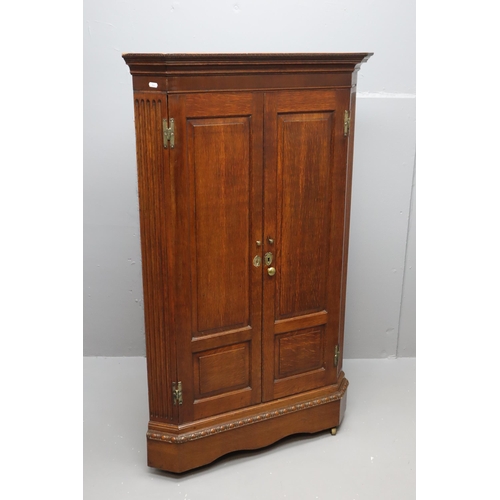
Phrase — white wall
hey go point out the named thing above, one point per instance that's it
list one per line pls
(406, 340)
(384, 154)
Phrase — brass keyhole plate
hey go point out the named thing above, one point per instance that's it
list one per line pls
(257, 261)
(268, 258)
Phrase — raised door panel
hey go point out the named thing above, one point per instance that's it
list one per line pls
(303, 198)
(219, 160)
(305, 181)
(218, 195)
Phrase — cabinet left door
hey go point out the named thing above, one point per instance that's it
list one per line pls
(216, 167)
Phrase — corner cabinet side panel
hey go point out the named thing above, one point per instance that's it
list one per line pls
(153, 183)
(348, 190)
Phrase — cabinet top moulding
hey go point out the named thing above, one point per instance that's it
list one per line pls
(265, 71)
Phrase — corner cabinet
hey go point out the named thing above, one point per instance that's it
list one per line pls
(244, 174)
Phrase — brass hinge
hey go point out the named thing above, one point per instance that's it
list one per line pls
(336, 357)
(347, 123)
(168, 133)
(177, 392)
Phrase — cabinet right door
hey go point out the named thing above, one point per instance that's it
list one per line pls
(305, 176)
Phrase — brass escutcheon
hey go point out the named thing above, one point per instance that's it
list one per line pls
(268, 258)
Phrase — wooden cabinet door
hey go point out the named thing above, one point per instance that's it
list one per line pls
(216, 165)
(304, 214)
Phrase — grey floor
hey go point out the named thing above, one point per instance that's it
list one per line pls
(371, 457)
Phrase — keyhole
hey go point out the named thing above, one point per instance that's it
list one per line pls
(268, 258)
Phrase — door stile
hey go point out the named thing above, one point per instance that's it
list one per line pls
(270, 218)
(179, 202)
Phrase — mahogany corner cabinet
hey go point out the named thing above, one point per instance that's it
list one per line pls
(244, 174)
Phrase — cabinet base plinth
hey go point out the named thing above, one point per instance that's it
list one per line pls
(181, 448)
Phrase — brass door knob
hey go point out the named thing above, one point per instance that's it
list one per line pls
(271, 271)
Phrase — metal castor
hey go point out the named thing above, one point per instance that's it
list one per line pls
(333, 430)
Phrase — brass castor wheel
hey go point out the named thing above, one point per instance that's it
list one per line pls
(333, 430)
